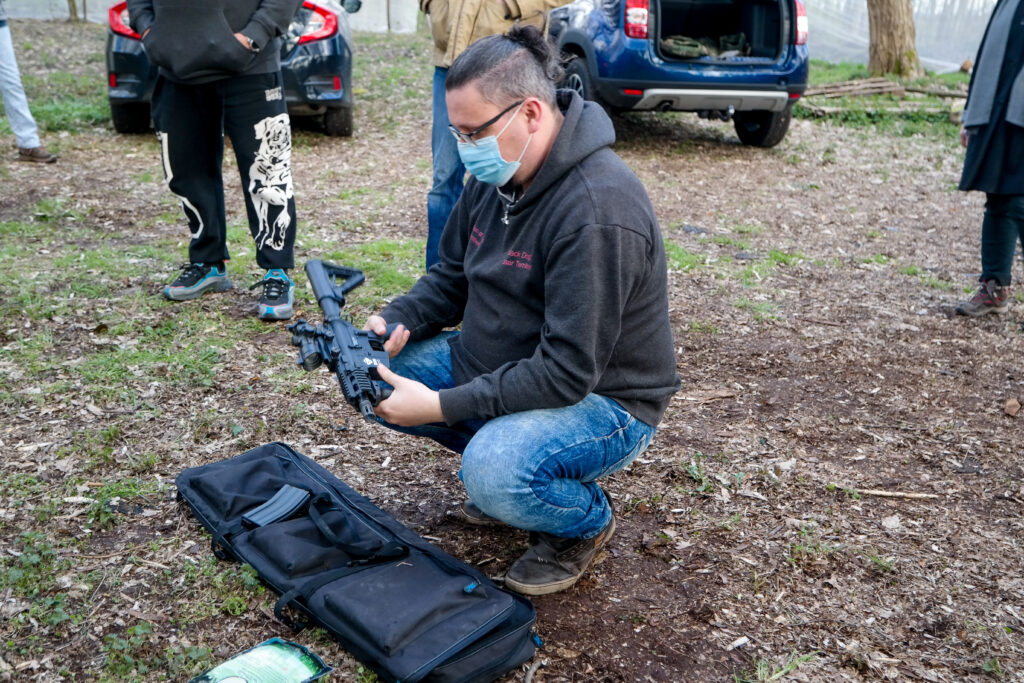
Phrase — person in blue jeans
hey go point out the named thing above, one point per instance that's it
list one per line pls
(26, 132)
(454, 26)
(993, 133)
(553, 263)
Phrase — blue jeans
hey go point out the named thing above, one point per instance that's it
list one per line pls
(26, 134)
(449, 172)
(536, 469)
(1002, 227)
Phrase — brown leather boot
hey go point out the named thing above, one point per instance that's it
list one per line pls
(37, 154)
(553, 564)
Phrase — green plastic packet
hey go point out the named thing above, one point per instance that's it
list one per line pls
(272, 661)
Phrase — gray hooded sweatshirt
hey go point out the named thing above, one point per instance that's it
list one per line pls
(192, 41)
(560, 294)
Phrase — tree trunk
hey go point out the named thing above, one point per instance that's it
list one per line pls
(893, 48)
(72, 10)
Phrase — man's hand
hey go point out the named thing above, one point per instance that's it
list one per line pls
(411, 403)
(398, 339)
(964, 135)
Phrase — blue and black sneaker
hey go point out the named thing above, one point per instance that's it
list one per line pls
(278, 299)
(196, 278)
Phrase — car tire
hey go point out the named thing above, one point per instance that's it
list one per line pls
(130, 118)
(577, 77)
(338, 122)
(762, 128)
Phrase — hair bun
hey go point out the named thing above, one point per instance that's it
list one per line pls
(531, 38)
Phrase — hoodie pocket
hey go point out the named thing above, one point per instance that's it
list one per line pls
(193, 40)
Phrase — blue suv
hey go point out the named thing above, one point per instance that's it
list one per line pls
(744, 60)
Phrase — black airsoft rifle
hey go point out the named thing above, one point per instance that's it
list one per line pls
(353, 355)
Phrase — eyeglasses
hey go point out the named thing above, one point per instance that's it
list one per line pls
(467, 138)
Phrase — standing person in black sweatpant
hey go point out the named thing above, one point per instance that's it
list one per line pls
(220, 72)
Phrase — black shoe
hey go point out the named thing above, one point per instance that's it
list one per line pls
(196, 278)
(278, 299)
(469, 513)
(553, 564)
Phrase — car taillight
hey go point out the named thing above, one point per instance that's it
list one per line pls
(801, 23)
(118, 17)
(321, 23)
(636, 18)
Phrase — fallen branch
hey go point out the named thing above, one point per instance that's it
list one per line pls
(533, 669)
(937, 92)
(815, 321)
(708, 396)
(896, 494)
(868, 86)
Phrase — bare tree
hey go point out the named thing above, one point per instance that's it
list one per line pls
(893, 48)
(72, 10)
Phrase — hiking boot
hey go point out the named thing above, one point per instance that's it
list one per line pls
(278, 299)
(196, 278)
(553, 564)
(990, 298)
(469, 513)
(37, 154)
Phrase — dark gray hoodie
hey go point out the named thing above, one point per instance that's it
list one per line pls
(560, 294)
(192, 41)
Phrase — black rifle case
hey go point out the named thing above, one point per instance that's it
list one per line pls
(401, 606)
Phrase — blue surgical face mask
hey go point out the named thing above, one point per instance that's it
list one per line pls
(484, 159)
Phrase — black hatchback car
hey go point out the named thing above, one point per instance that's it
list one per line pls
(316, 64)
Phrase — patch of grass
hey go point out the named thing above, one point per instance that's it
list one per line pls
(777, 257)
(695, 470)
(391, 268)
(35, 567)
(681, 259)
(927, 279)
(393, 76)
(744, 229)
(761, 310)
(929, 114)
(730, 522)
(766, 670)
(822, 72)
(993, 668)
(103, 512)
(31, 572)
(67, 102)
(698, 327)
(727, 241)
(137, 652)
(880, 564)
(848, 490)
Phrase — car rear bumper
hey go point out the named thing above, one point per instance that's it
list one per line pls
(316, 75)
(684, 99)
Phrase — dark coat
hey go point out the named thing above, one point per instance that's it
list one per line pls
(995, 153)
(561, 294)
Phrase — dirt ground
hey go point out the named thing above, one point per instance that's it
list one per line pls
(837, 486)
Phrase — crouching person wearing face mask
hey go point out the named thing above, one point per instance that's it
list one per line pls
(554, 265)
